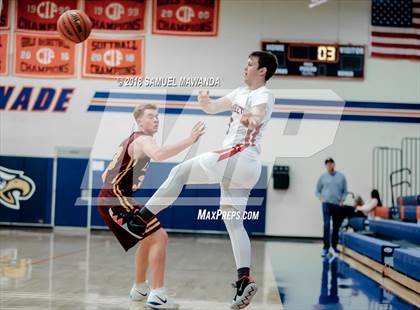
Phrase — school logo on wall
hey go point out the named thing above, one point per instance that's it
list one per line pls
(14, 187)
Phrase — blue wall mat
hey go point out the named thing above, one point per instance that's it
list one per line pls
(37, 209)
(184, 215)
(95, 218)
(70, 179)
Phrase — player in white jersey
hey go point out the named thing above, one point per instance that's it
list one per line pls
(236, 167)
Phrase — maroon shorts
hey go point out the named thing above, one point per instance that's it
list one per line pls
(106, 200)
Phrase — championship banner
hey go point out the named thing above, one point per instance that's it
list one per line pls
(122, 15)
(4, 16)
(43, 56)
(113, 58)
(35, 15)
(186, 17)
(4, 43)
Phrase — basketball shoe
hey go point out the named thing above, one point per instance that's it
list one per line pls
(245, 291)
(139, 292)
(129, 220)
(159, 299)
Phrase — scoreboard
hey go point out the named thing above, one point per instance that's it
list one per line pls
(317, 60)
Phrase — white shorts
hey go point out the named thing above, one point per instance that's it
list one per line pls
(237, 173)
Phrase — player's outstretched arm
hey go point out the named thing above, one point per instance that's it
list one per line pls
(254, 118)
(147, 145)
(213, 106)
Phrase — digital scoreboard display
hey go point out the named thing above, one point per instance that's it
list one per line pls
(318, 60)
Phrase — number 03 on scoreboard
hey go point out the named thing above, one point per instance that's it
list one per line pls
(318, 60)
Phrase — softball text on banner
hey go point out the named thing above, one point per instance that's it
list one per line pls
(4, 16)
(126, 15)
(41, 15)
(4, 41)
(186, 17)
(111, 58)
(45, 56)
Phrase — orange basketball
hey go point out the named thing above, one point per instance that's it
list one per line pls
(74, 25)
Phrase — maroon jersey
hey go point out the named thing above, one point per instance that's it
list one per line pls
(124, 175)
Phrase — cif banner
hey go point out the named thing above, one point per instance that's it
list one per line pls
(4, 16)
(41, 15)
(122, 15)
(186, 17)
(4, 43)
(43, 55)
(112, 58)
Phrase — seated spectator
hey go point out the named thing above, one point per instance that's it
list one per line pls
(368, 208)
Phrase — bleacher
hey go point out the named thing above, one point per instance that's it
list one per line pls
(389, 243)
(395, 230)
(408, 262)
(371, 247)
(409, 208)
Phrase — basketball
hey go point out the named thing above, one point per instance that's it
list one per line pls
(74, 25)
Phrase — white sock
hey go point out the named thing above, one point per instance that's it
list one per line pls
(141, 286)
(159, 290)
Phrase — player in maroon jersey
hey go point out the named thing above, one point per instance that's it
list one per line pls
(123, 176)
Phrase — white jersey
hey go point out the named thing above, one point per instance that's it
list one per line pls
(243, 99)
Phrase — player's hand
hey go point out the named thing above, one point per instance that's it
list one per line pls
(197, 131)
(203, 97)
(246, 118)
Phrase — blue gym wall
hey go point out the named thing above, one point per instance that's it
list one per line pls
(69, 210)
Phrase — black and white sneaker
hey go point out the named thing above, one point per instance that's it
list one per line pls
(129, 221)
(245, 291)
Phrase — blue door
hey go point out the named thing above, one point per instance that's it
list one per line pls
(71, 179)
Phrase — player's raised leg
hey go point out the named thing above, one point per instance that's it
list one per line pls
(188, 172)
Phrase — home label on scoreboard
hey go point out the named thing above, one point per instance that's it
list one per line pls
(318, 60)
